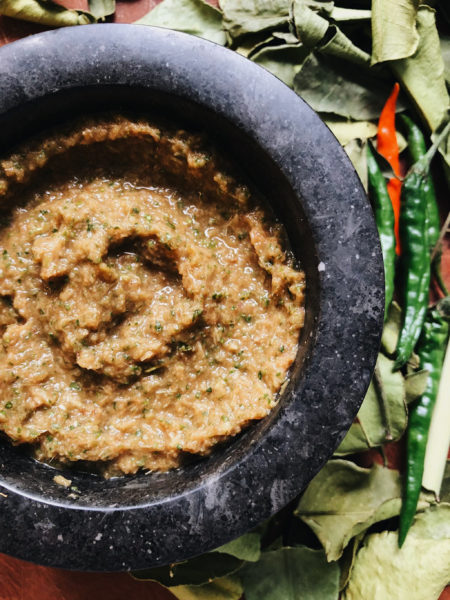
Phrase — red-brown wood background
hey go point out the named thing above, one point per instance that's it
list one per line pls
(20, 580)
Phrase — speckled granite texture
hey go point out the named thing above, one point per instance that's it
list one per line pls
(145, 520)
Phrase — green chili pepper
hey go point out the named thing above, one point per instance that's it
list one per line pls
(415, 252)
(415, 264)
(431, 351)
(417, 149)
(384, 217)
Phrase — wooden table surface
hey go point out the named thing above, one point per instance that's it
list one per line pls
(20, 580)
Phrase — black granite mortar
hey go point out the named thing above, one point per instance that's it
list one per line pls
(147, 520)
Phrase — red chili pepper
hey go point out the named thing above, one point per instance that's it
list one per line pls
(387, 146)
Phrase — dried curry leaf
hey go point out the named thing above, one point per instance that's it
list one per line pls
(394, 31)
(371, 417)
(191, 16)
(349, 15)
(345, 131)
(348, 558)
(323, 7)
(422, 74)
(315, 31)
(223, 588)
(415, 384)
(357, 153)
(335, 87)
(434, 523)
(291, 574)
(243, 17)
(383, 415)
(196, 571)
(102, 8)
(283, 61)
(355, 441)
(202, 569)
(45, 12)
(444, 148)
(391, 329)
(252, 44)
(246, 547)
(445, 487)
(420, 570)
(344, 500)
(390, 391)
(340, 46)
(309, 25)
(286, 37)
(445, 50)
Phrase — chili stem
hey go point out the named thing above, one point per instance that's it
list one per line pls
(423, 164)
